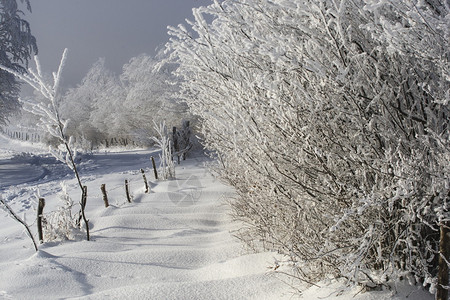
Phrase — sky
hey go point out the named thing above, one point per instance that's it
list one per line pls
(115, 29)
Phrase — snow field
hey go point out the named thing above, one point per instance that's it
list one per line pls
(173, 243)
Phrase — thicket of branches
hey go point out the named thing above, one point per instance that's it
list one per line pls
(330, 118)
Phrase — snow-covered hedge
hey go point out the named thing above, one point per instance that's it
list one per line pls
(331, 120)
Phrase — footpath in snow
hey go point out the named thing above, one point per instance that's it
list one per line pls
(173, 243)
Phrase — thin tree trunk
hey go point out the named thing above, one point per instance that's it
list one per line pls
(83, 206)
(444, 254)
(13, 214)
(175, 139)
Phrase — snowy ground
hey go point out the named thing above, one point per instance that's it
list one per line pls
(172, 243)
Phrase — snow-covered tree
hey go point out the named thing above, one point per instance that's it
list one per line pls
(331, 120)
(150, 94)
(17, 44)
(51, 120)
(77, 106)
(90, 107)
(108, 115)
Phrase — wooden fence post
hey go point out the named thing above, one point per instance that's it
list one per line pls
(83, 206)
(127, 190)
(105, 196)
(154, 168)
(39, 219)
(145, 181)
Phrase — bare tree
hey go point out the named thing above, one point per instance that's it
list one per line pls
(51, 120)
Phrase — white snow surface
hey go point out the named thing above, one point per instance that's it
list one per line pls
(175, 242)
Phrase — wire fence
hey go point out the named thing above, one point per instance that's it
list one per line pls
(23, 134)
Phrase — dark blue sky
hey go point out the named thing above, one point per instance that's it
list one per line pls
(115, 29)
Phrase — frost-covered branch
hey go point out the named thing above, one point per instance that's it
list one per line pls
(167, 166)
(48, 112)
(13, 215)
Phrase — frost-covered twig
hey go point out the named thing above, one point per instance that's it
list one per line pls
(13, 215)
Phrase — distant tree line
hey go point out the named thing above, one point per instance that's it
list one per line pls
(110, 110)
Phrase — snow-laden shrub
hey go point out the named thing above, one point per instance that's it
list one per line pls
(60, 225)
(330, 118)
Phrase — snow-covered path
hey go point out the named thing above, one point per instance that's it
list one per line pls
(173, 243)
